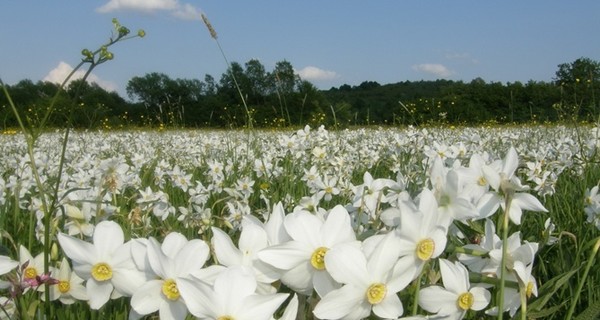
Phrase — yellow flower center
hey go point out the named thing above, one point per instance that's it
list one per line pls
(481, 181)
(376, 292)
(529, 289)
(101, 272)
(328, 190)
(169, 289)
(30, 273)
(465, 301)
(64, 286)
(225, 318)
(317, 260)
(425, 249)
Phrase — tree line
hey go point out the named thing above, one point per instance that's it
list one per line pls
(279, 97)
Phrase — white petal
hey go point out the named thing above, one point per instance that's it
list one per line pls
(340, 302)
(347, 264)
(98, 293)
(436, 299)
(383, 258)
(287, 255)
(252, 239)
(291, 310)
(299, 278)
(173, 310)
(304, 227)
(226, 252)
(482, 298)
(323, 283)
(172, 243)
(198, 298)
(127, 281)
(528, 202)
(511, 162)
(337, 227)
(158, 260)
(79, 251)
(191, 257)
(274, 226)
(390, 308)
(455, 277)
(260, 307)
(148, 297)
(233, 286)
(108, 236)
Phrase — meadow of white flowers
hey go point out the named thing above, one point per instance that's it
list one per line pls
(271, 224)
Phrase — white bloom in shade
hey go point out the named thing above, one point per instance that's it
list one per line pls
(370, 283)
(488, 242)
(175, 258)
(69, 287)
(302, 259)
(457, 296)
(31, 267)
(422, 235)
(106, 264)
(7, 264)
(506, 184)
(291, 310)
(233, 297)
(523, 253)
(253, 238)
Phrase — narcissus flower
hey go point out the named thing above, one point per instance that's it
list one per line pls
(370, 281)
(106, 264)
(69, 287)
(457, 296)
(302, 259)
(174, 259)
(232, 297)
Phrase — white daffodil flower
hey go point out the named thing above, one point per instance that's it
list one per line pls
(370, 282)
(302, 259)
(457, 296)
(507, 184)
(232, 297)
(174, 259)
(422, 233)
(69, 287)
(106, 264)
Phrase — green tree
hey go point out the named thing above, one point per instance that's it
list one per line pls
(580, 84)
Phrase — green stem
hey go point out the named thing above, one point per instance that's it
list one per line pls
(523, 294)
(588, 266)
(505, 219)
(415, 307)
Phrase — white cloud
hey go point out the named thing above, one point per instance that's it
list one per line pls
(138, 5)
(435, 69)
(187, 12)
(60, 73)
(314, 73)
(183, 11)
(461, 57)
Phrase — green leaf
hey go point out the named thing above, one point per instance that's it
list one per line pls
(548, 289)
(543, 313)
(592, 312)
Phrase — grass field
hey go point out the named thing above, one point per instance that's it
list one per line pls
(250, 224)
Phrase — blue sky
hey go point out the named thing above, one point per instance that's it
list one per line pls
(329, 43)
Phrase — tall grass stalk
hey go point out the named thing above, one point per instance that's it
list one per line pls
(588, 266)
(505, 220)
(32, 134)
(213, 34)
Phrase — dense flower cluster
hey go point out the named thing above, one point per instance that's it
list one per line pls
(224, 225)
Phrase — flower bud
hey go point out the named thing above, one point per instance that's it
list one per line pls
(141, 33)
(123, 31)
